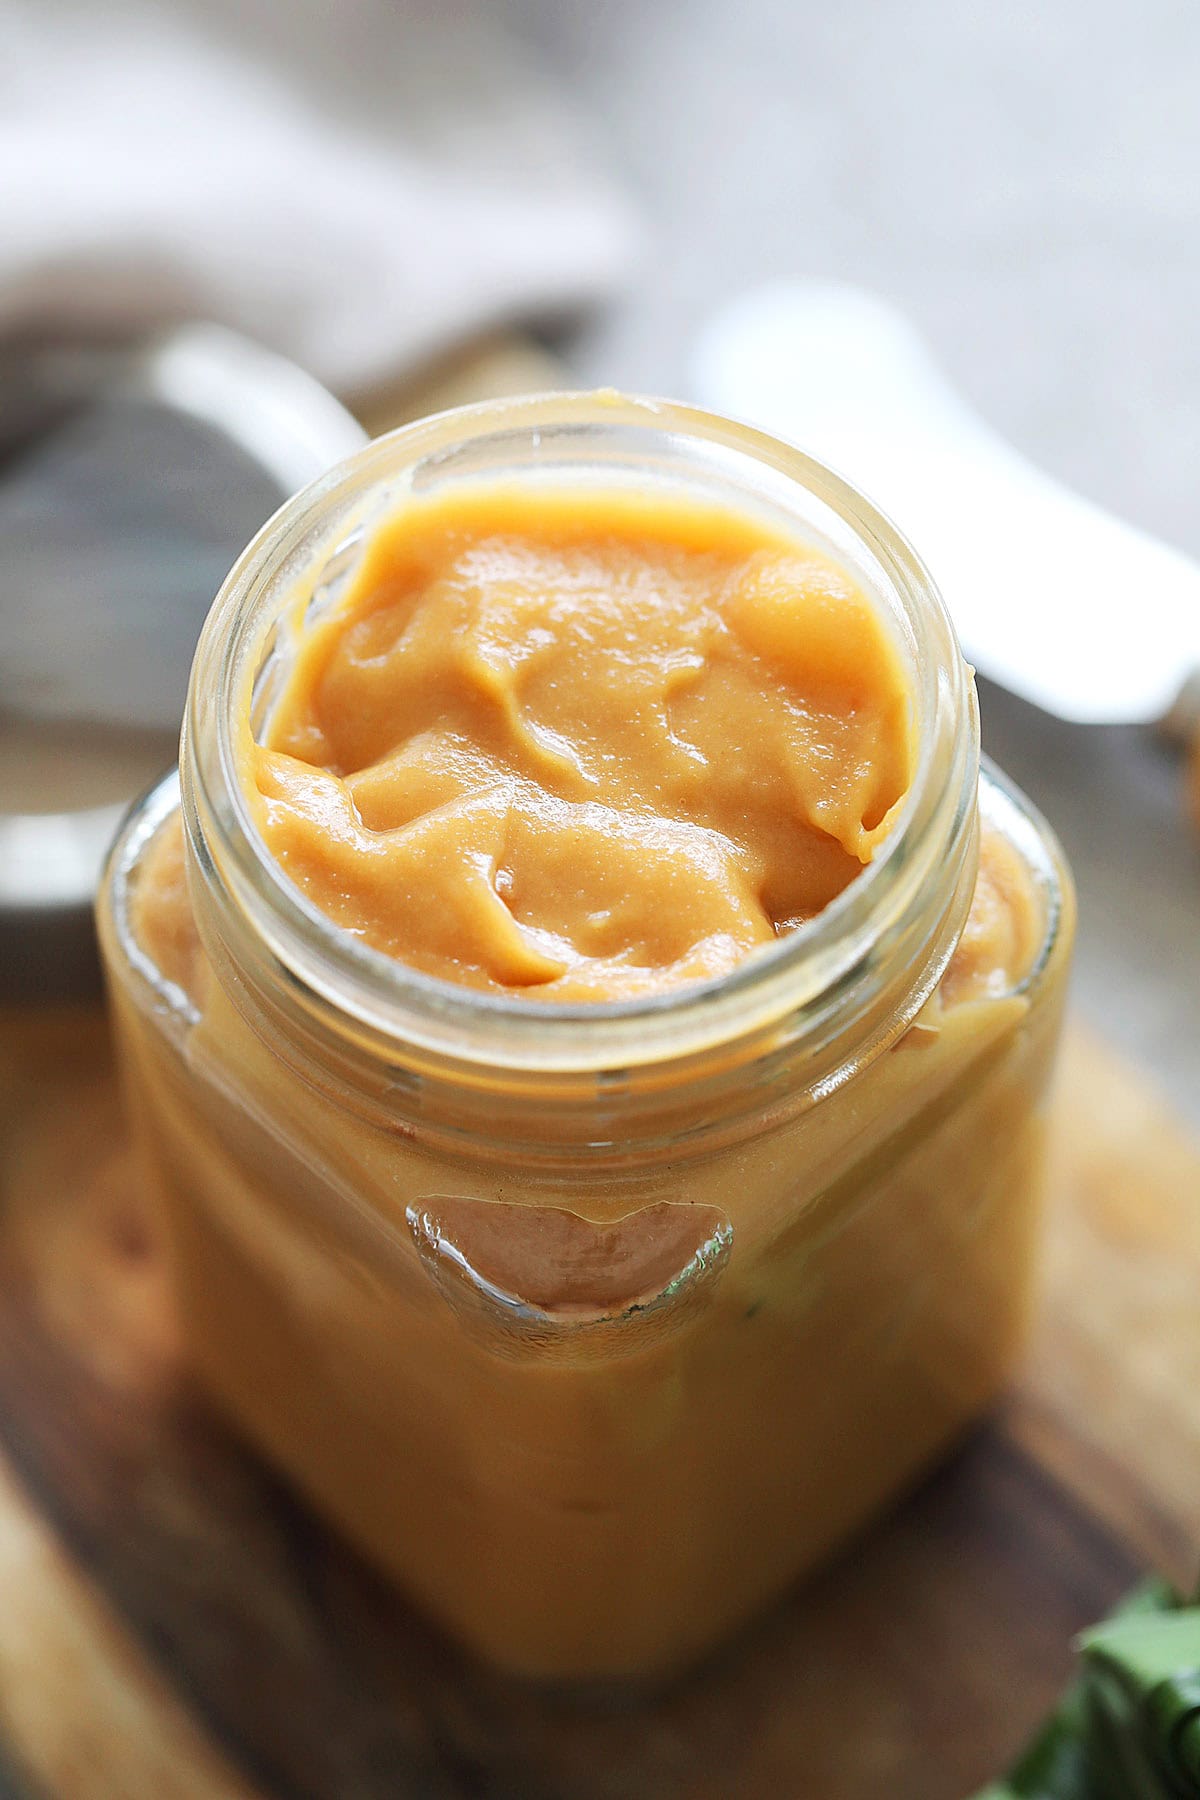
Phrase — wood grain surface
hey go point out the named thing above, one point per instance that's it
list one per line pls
(175, 1623)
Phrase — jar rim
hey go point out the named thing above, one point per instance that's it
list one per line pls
(813, 973)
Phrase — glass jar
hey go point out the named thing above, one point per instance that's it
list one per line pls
(594, 1326)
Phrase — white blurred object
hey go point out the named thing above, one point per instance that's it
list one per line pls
(355, 185)
(1054, 598)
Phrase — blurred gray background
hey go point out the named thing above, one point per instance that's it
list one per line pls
(1024, 180)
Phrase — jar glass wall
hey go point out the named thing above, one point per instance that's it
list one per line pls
(594, 1325)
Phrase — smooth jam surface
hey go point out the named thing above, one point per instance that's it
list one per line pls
(582, 744)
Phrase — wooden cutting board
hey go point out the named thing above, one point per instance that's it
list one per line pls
(175, 1623)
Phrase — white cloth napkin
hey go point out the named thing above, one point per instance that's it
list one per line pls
(356, 184)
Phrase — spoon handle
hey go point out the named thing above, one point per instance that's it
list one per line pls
(1070, 607)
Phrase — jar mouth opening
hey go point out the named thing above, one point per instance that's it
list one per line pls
(814, 965)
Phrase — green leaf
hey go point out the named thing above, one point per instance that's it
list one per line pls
(1143, 1678)
(1104, 1740)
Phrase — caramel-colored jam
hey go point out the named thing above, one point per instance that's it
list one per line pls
(582, 745)
(592, 1406)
